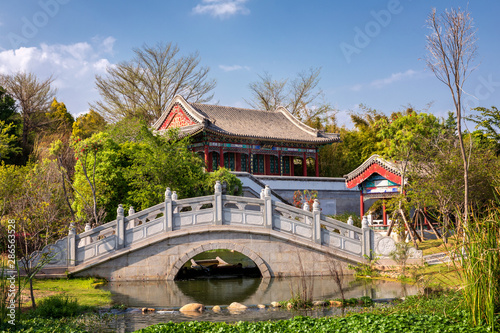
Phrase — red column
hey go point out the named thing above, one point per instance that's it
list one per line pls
(361, 204)
(292, 166)
(207, 162)
(304, 165)
(221, 157)
(317, 164)
(384, 214)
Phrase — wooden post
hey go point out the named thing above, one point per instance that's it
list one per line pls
(304, 165)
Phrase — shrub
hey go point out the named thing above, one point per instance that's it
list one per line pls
(58, 307)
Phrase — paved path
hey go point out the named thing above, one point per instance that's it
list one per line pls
(437, 258)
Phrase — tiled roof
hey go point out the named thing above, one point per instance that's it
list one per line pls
(374, 159)
(240, 122)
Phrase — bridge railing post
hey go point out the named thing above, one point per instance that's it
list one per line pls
(168, 223)
(316, 222)
(268, 208)
(71, 247)
(120, 227)
(350, 233)
(218, 203)
(367, 238)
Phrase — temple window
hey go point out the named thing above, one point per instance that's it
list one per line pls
(244, 162)
(215, 161)
(229, 161)
(286, 165)
(258, 164)
(275, 164)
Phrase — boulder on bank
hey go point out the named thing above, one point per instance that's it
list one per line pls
(192, 307)
(336, 304)
(237, 306)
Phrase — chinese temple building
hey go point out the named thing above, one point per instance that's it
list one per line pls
(255, 141)
(376, 178)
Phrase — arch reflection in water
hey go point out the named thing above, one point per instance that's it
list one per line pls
(250, 291)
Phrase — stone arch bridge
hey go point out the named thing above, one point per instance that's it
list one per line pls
(153, 244)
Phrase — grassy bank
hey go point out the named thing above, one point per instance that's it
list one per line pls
(83, 289)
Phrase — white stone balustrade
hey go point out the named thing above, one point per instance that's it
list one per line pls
(218, 210)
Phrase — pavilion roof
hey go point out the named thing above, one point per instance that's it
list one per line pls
(246, 123)
(374, 164)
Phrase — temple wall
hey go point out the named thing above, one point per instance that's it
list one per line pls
(334, 196)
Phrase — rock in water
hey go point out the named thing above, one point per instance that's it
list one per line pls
(216, 309)
(192, 307)
(237, 306)
(275, 304)
(261, 306)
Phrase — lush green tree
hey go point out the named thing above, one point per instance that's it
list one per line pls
(88, 124)
(11, 128)
(135, 168)
(357, 144)
(401, 136)
(144, 86)
(60, 120)
(7, 105)
(36, 203)
(489, 122)
(8, 141)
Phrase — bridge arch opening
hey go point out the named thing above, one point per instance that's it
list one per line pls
(221, 264)
(218, 261)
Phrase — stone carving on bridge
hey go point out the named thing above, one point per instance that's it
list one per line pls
(385, 245)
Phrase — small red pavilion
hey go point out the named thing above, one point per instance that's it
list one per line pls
(256, 141)
(376, 178)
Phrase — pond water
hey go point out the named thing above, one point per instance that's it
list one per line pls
(168, 296)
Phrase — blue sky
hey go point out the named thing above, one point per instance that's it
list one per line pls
(239, 39)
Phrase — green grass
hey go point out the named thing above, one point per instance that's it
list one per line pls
(353, 323)
(83, 289)
(433, 246)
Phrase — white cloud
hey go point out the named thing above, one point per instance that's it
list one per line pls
(393, 78)
(233, 68)
(222, 8)
(72, 66)
(381, 83)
